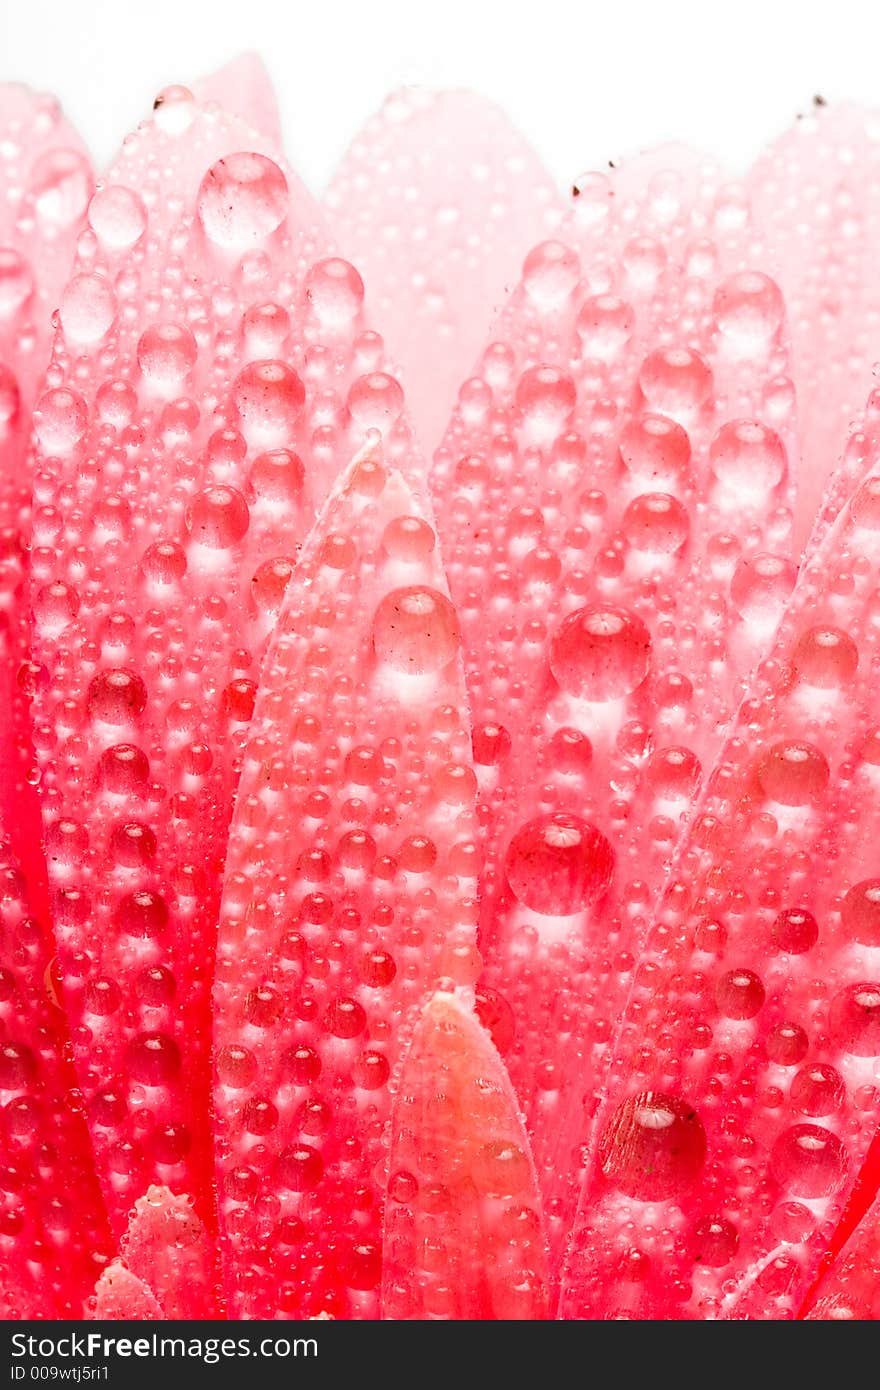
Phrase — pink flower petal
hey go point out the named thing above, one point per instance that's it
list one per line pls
(851, 1287)
(168, 1249)
(54, 1230)
(46, 182)
(463, 1234)
(349, 894)
(211, 372)
(121, 1296)
(743, 1094)
(815, 194)
(244, 88)
(607, 492)
(434, 203)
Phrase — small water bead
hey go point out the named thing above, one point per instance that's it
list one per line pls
(604, 325)
(675, 381)
(558, 864)
(795, 931)
(860, 912)
(242, 200)
(854, 1019)
(817, 1090)
(277, 476)
(116, 403)
(153, 1059)
(335, 291)
(18, 1066)
(809, 1161)
(264, 331)
(164, 562)
(761, 586)
(269, 397)
(408, 538)
(236, 1067)
(570, 752)
(600, 653)
(416, 630)
(656, 452)
(673, 773)
(16, 281)
(166, 353)
(491, 744)
(174, 109)
(739, 994)
(61, 184)
(155, 986)
(218, 517)
(300, 1168)
(116, 696)
(748, 459)
(142, 915)
(550, 275)
(269, 584)
(87, 310)
(375, 402)
(656, 524)
(102, 997)
(653, 1147)
(826, 658)
(749, 309)
(54, 606)
(787, 1044)
(60, 420)
(118, 217)
(794, 774)
(715, 1241)
(124, 769)
(546, 398)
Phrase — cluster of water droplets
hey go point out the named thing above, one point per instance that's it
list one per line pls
(748, 1054)
(350, 891)
(211, 373)
(614, 496)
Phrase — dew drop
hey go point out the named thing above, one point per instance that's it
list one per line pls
(416, 630)
(653, 1147)
(558, 864)
(600, 653)
(242, 200)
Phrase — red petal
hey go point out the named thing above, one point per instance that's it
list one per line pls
(195, 336)
(606, 516)
(349, 894)
(757, 1000)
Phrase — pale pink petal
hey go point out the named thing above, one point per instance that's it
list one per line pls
(743, 1094)
(167, 1247)
(121, 1296)
(244, 88)
(816, 194)
(614, 496)
(435, 203)
(45, 184)
(349, 895)
(464, 1235)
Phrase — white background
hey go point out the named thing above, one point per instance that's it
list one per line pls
(585, 81)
